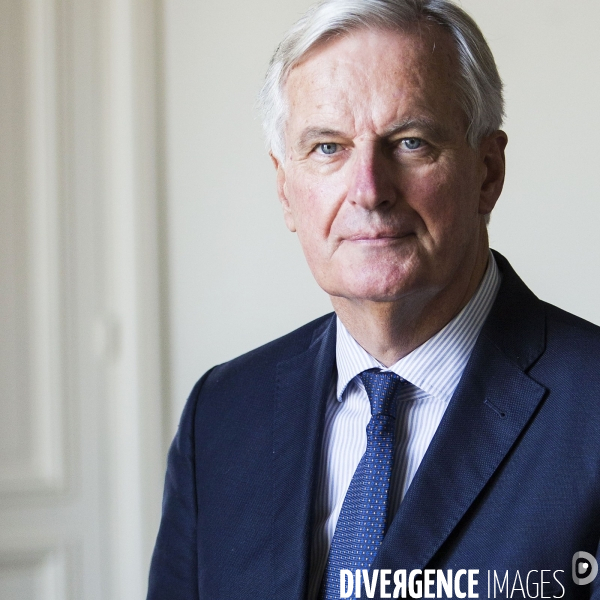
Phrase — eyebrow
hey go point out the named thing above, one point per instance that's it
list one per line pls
(316, 133)
(434, 129)
(313, 134)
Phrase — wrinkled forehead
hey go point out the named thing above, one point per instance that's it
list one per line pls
(415, 66)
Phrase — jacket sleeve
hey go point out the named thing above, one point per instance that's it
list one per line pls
(174, 567)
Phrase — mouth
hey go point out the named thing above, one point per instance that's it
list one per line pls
(379, 239)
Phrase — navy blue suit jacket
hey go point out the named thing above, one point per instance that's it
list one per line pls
(511, 480)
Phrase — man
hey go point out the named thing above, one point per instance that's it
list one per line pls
(443, 418)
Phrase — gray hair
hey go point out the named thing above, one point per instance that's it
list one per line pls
(479, 84)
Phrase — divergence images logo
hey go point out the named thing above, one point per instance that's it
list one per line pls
(585, 568)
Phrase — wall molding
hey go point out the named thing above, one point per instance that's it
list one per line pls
(82, 451)
(133, 317)
(38, 169)
(43, 568)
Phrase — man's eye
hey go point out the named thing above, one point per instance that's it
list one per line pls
(412, 143)
(328, 148)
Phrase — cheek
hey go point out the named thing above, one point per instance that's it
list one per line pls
(314, 204)
(309, 219)
(446, 204)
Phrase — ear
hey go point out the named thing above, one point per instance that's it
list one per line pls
(281, 192)
(493, 162)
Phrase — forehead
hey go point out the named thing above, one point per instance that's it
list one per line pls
(374, 76)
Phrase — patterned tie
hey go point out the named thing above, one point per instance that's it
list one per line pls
(362, 521)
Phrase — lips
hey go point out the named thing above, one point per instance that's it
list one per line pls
(381, 237)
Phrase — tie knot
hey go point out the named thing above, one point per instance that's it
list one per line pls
(381, 388)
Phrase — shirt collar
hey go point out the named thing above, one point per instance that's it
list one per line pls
(436, 366)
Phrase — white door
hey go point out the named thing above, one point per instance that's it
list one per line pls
(81, 454)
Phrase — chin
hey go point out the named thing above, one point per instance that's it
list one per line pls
(377, 285)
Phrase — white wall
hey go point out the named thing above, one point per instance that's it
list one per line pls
(237, 278)
(548, 217)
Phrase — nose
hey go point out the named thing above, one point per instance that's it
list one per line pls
(371, 184)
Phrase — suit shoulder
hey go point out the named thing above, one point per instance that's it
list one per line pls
(571, 327)
(261, 361)
(572, 343)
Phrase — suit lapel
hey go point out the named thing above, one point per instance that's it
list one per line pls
(488, 412)
(483, 421)
(303, 384)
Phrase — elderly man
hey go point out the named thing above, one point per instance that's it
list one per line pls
(439, 435)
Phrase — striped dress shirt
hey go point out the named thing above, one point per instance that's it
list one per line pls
(433, 371)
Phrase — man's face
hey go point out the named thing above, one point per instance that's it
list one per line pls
(378, 180)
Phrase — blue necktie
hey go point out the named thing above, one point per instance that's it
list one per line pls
(362, 521)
